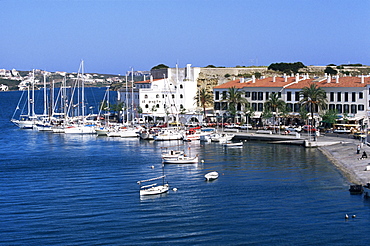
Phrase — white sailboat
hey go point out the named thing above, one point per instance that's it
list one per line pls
(153, 188)
(29, 120)
(80, 126)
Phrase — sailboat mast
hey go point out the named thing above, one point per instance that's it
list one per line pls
(33, 92)
(126, 100)
(82, 92)
(28, 101)
(132, 95)
(45, 98)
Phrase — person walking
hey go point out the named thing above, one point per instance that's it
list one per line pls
(358, 149)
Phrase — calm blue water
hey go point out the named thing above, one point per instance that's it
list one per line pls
(61, 189)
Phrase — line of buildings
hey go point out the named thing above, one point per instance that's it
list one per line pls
(169, 95)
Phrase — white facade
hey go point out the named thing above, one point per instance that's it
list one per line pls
(167, 97)
(350, 96)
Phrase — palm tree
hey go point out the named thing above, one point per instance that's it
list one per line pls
(234, 97)
(204, 98)
(312, 97)
(274, 104)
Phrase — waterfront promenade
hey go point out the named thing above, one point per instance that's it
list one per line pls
(340, 149)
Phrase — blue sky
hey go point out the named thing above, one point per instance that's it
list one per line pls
(112, 36)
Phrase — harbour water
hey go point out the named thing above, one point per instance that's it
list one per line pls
(59, 189)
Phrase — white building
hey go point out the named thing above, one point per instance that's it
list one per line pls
(168, 97)
(350, 96)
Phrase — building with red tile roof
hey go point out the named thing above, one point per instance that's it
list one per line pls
(348, 95)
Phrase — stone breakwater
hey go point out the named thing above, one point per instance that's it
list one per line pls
(344, 156)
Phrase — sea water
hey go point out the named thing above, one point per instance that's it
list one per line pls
(65, 189)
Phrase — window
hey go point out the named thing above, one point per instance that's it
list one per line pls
(361, 107)
(254, 106)
(260, 96)
(146, 96)
(224, 95)
(260, 107)
(180, 86)
(267, 95)
(353, 96)
(289, 107)
(339, 108)
(289, 96)
(254, 95)
(217, 95)
(339, 96)
(217, 106)
(360, 95)
(181, 96)
(239, 107)
(146, 106)
(331, 106)
(279, 94)
(157, 96)
(297, 107)
(345, 108)
(331, 96)
(224, 105)
(346, 96)
(157, 105)
(173, 96)
(353, 108)
(247, 94)
(296, 96)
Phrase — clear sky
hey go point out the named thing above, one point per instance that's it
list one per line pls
(112, 36)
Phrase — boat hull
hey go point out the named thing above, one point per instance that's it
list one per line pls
(156, 190)
(211, 176)
(181, 160)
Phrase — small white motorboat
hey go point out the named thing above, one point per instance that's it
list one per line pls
(153, 189)
(181, 159)
(230, 144)
(211, 176)
(172, 153)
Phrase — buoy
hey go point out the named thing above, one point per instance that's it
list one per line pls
(202, 161)
(174, 189)
(354, 216)
(346, 217)
(152, 167)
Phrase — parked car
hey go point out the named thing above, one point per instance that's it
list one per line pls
(307, 128)
(246, 126)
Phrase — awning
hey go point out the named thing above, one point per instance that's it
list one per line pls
(256, 115)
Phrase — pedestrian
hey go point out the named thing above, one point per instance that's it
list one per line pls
(364, 155)
(358, 149)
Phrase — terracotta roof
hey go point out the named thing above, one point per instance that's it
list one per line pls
(343, 82)
(280, 82)
(266, 82)
(146, 81)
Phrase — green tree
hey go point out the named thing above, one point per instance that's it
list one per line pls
(330, 70)
(203, 99)
(329, 118)
(160, 66)
(286, 67)
(266, 114)
(234, 97)
(313, 97)
(275, 104)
